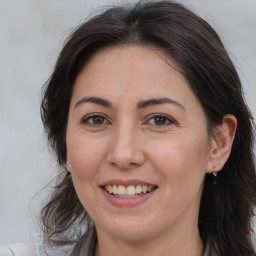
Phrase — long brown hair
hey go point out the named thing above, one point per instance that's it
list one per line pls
(226, 209)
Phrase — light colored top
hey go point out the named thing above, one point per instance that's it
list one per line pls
(34, 249)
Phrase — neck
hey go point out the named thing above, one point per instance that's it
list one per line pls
(164, 245)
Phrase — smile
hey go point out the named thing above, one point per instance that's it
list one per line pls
(130, 191)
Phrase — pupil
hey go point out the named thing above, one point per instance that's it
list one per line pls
(160, 120)
(98, 120)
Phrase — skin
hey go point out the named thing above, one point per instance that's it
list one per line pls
(126, 141)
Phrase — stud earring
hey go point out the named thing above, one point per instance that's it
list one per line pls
(69, 165)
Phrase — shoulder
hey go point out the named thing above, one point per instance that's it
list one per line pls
(19, 249)
(34, 249)
(5, 251)
(44, 250)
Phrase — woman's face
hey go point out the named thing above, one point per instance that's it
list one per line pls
(138, 145)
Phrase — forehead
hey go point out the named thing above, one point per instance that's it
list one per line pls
(130, 68)
(145, 58)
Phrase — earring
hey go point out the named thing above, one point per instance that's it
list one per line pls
(69, 165)
(215, 175)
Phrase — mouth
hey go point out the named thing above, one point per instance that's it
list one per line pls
(129, 191)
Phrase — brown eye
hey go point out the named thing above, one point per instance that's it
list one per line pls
(160, 120)
(95, 120)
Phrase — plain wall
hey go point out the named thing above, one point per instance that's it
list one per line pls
(31, 35)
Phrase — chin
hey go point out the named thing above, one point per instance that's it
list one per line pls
(130, 231)
(132, 235)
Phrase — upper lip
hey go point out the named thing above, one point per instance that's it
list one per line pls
(126, 183)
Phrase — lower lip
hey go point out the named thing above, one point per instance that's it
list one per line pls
(128, 201)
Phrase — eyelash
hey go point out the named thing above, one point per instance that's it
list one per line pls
(163, 117)
(93, 116)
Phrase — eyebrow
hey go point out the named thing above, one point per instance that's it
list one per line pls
(158, 101)
(95, 100)
(140, 105)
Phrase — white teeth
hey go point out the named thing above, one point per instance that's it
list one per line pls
(121, 190)
(130, 191)
(114, 189)
(110, 189)
(138, 189)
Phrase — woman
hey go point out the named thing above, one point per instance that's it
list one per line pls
(146, 115)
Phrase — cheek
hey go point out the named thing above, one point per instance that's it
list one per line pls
(181, 160)
(85, 157)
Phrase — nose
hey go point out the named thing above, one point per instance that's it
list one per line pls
(126, 148)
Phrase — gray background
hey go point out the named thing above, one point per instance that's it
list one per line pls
(31, 35)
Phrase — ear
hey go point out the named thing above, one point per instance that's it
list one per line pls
(221, 143)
